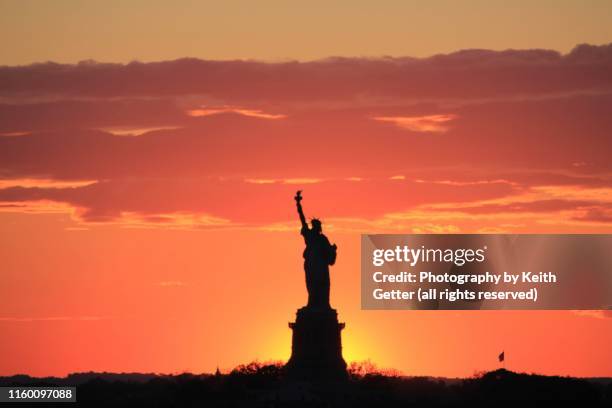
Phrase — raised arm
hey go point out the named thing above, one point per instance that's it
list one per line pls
(298, 202)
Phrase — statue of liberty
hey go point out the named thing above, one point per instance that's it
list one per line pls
(318, 256)
(316, 341)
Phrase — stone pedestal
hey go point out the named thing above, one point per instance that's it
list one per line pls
(316, 346)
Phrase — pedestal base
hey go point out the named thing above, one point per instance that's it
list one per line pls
(316, 346)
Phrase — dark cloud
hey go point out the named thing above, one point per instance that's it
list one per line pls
(512, 121)
(597, 214)
(465, 74)
(84, 114)
(540, 206)
(528, 142)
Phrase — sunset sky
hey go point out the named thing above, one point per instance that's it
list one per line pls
(146, 199)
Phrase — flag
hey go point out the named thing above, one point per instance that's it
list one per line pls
(501, 357)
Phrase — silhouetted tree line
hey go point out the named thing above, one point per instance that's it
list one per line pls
(264, 385)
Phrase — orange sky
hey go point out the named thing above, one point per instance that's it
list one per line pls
(153, 30)
(139, 299)
(146, 209)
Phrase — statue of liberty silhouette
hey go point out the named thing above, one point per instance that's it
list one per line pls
(316, 343)
(319, 254)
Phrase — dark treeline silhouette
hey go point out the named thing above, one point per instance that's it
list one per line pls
(264, 385)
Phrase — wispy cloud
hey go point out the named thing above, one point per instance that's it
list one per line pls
(260, 181)
(44, 183)
(135, 130)
(298, 180)
(425, 124)
(256, 113)
(596, 314)
(302, 180)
